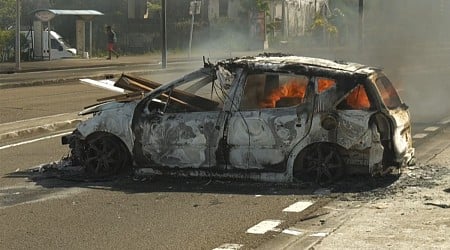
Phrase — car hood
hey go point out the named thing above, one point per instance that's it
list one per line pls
(105, 106)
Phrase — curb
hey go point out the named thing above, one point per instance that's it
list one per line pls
(62, 125)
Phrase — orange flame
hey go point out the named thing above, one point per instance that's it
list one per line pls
(293, 88)
(325, 84)
(358, 99)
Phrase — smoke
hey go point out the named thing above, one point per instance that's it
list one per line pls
(407, 38)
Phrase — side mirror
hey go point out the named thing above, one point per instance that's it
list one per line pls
(156, 106)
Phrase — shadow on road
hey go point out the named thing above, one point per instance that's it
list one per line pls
(129, 183)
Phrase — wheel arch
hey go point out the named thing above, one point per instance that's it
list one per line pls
(121, 143)
(298, 152)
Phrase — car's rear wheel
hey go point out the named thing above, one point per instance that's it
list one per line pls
(320, 163)
(105, 155)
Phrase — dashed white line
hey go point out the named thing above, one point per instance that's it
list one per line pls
(229, 246)
(298, 206)
(431, 129)
(445, 121)
(292, 232)
(419, 136)
(319, 235)
(264, 226)
(34, 140)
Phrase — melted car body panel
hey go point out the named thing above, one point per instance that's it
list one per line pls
(179, 140)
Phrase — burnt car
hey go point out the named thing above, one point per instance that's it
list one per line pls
(270, 117)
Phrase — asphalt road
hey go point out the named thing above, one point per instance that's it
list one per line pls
(43, 212)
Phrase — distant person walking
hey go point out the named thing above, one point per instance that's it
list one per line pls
(112, 39)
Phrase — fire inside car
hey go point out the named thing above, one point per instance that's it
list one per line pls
(271, 117)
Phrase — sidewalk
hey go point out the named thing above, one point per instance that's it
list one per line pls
(73, 63)
(411, 213)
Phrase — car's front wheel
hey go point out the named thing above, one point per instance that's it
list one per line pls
(105, 155)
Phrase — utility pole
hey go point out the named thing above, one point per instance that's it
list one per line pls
(194, 8)
(361, 25)
(18, 50)
(283, 19)
(163, 35)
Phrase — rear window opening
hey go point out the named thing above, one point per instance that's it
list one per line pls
(356, 100)
(388, 93)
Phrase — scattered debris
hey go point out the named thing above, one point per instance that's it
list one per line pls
(322, 191)
(437, 205)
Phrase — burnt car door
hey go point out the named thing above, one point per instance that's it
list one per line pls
(271, 116)
(176, 128)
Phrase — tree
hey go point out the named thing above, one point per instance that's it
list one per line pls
(7, 13)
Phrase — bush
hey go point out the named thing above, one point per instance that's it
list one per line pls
(7, 40)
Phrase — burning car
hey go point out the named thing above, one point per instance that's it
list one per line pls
(271, 117)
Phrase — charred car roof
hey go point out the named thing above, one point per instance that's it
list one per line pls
(298, 64)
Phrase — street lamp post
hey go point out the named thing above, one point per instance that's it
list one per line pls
(18, 35)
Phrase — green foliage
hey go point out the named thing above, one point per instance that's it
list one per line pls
(7, 38)
(7, 13)
(256, 5)
(154, 8)
(321, 23)
(154, 5)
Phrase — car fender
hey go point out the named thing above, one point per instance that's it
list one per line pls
(114, 118)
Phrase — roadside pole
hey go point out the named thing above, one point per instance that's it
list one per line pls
(164, 35)
(194, 8)
(190, 37)
(18, 49)
(361, 25)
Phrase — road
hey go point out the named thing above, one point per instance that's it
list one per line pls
(40, 211)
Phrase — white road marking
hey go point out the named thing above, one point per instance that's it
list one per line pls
(34, 140)
(298, 206)
(264, 226)
(445, 121)
(431, 129)
(319, 235)
(229, 247)
(419, 136)
(292, 232)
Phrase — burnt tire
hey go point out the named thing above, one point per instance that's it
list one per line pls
(320, 163)
(105, 155)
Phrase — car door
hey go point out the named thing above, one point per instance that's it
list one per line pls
(270, 118)
(177, 129)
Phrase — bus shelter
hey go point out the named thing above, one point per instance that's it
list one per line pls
(46, 15)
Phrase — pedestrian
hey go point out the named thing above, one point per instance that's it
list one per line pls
(112, 39)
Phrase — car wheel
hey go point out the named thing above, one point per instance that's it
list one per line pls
(320, 163)
(105, 156)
